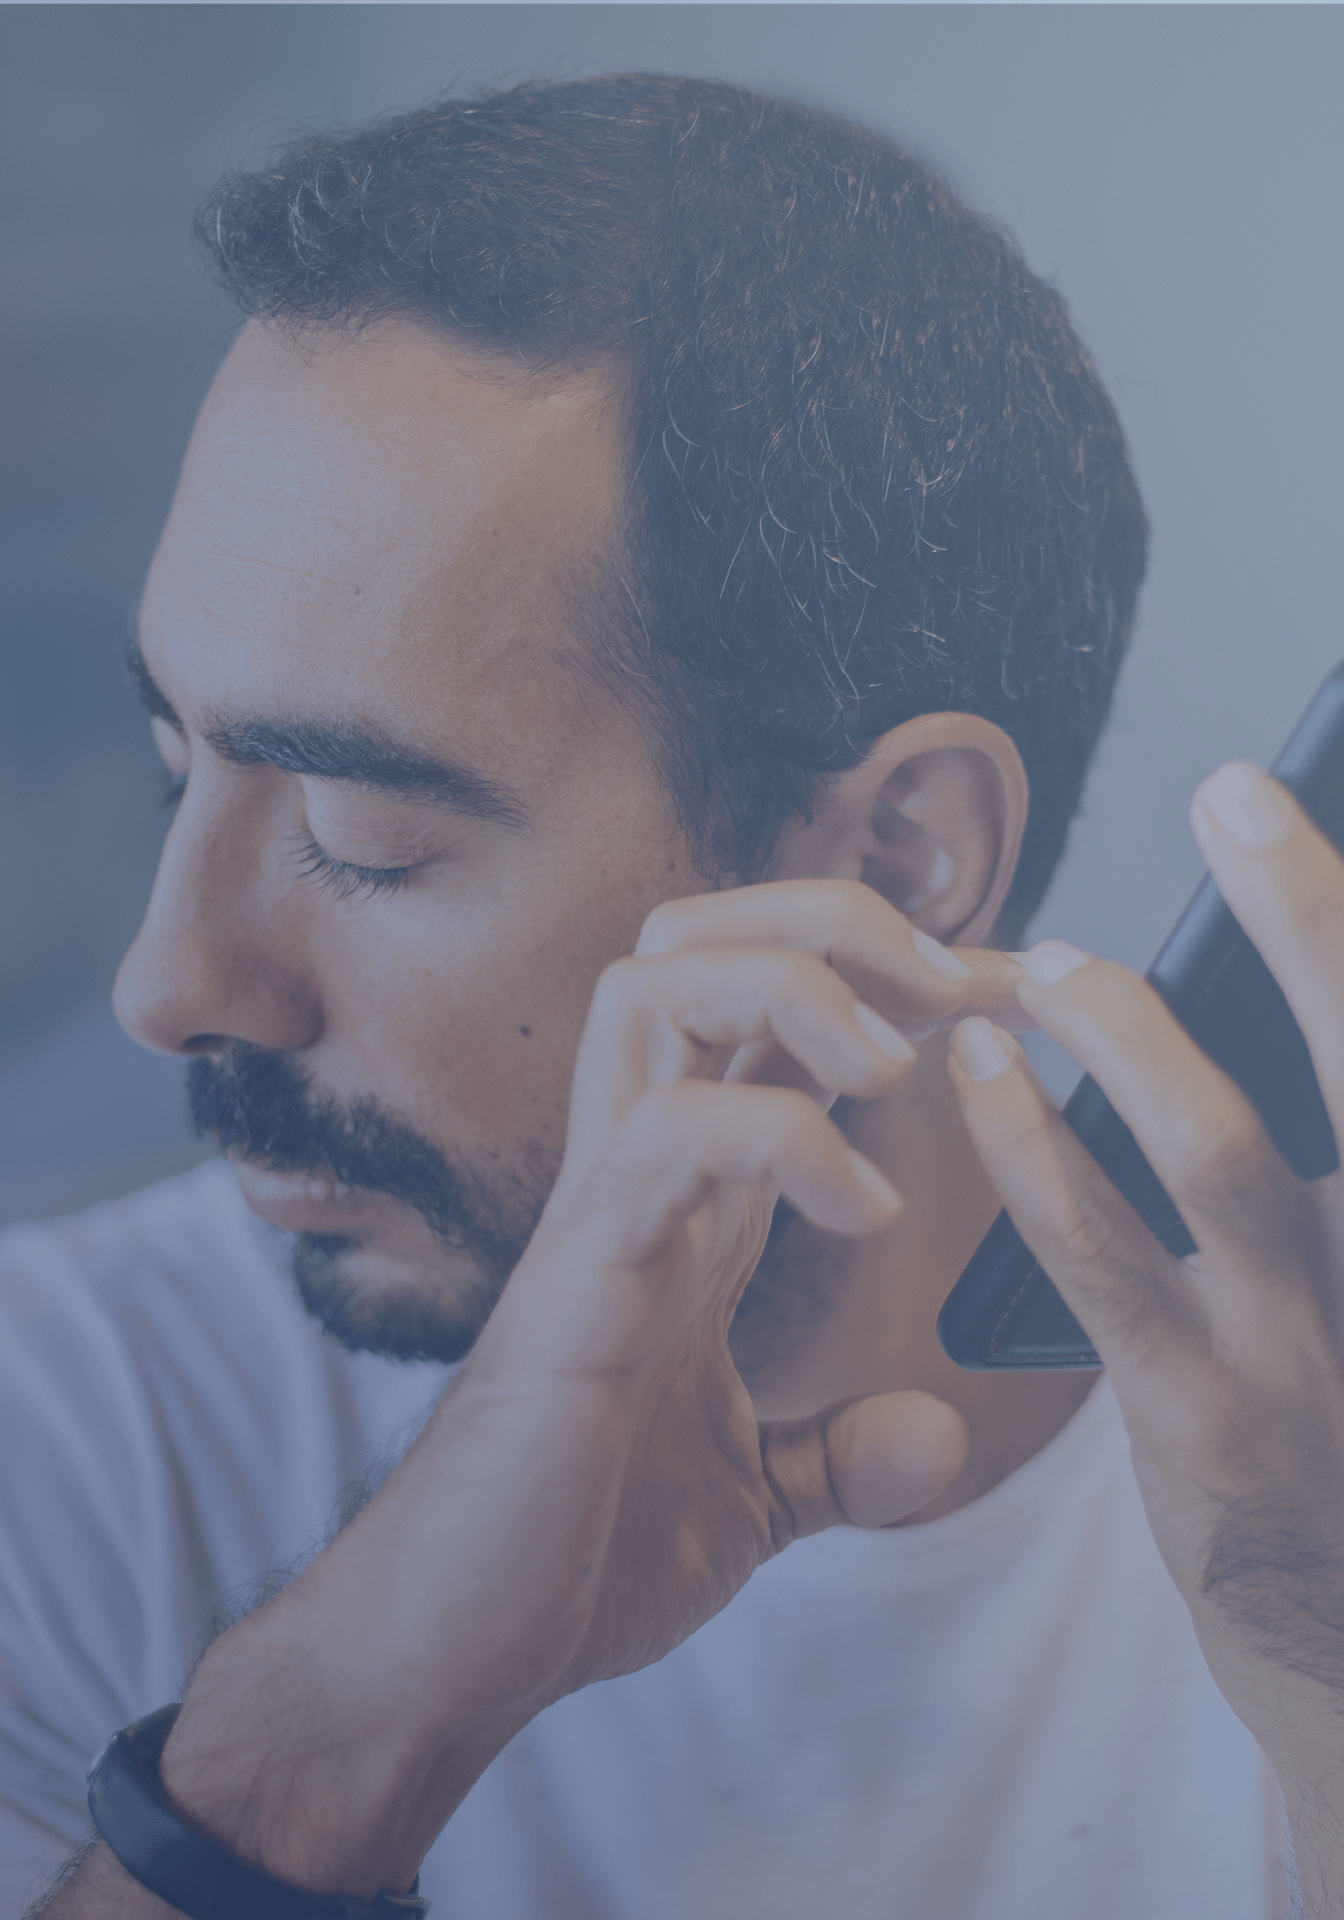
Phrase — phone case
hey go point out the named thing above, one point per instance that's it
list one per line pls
(1004, 1311)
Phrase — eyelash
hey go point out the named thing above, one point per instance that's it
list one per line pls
(340, 877)
(343, 878)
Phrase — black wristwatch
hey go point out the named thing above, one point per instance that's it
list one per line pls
(132, 1813)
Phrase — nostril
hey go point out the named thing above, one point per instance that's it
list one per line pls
(205, 1043)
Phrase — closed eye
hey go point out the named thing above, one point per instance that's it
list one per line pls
(343, 877)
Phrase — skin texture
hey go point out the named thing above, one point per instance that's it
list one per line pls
(383, 527)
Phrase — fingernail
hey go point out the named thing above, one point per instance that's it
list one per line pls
(1050, 960)
(937, 956)
(882, 1034)
(1246, 804)
(978, 1046)
(875, 1184)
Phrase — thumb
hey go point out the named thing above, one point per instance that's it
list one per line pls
(860, 1463)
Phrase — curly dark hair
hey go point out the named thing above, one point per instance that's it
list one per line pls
(873, 472)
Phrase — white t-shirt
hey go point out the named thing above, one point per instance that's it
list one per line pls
(1002, 1715)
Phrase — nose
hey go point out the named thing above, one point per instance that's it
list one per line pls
(219, 956)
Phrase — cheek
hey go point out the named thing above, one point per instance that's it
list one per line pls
(467, 1023)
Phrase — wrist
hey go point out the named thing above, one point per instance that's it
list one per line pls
(1317, 1829)
(1310, 1772)
(319, 1741)
(187, 1870)
(273, 1761)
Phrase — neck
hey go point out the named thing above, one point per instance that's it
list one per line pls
(827, 1318)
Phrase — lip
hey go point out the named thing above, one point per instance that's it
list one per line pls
(307, 1202)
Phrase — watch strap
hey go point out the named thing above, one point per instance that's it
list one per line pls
(133, 1814)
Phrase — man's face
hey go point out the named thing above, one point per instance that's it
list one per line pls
(413, 830)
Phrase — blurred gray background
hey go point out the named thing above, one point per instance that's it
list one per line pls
(1175, 170)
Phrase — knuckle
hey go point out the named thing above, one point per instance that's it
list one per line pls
(854, 906)
(662, 927)
(1023, 1133)
(673, 1105)
(1089, 1236)
(1221, 1149)
(1115, 993)
(790, 1119)
(855, 897)
(762, 1121)
(663, 1120)
(1100, 1257)
(1313, 927)
(618, 985)
(1315, 907)
(789, 971)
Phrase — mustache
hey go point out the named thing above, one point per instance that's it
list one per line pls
(260, 1105)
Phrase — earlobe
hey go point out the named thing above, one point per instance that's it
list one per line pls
(932, 820)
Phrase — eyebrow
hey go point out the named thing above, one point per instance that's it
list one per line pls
(336, 750)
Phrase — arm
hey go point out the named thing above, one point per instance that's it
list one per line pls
(93, 1883)
(1229, 1366)
(595, 1484)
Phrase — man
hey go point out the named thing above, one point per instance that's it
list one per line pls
(627, 644)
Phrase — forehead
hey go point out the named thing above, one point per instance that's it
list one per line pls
(384, 519)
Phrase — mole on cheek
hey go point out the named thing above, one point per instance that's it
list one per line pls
(526, 1032)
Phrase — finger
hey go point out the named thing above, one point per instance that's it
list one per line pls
(1197, 1130)
(681, 1141)
(682, 1016)
(1284, 881)
(890, 964)
(865, 1463)
(1122, 1284)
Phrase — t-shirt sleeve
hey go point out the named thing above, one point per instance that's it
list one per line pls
(83, 1506)
(173, 1428)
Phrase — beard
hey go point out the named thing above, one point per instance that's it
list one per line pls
(261, 1106)
(802, 1273)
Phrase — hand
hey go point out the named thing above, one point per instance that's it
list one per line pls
(1228, 1367)
(595, 1484)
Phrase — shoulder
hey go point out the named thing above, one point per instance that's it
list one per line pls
(164, 1398)
(169, 1235)
(127, 1333)
(172, 1426)
(135, 1298)
(167, 1321)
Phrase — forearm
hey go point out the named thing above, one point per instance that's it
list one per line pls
(265, 1778)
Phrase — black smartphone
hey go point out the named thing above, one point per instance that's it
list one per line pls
(1004, 1311)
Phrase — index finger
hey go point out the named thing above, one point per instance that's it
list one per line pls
(1284, 881)
(891, 964)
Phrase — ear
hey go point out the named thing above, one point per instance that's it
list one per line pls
(932, 819)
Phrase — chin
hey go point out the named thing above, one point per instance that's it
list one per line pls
(408, 1308)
